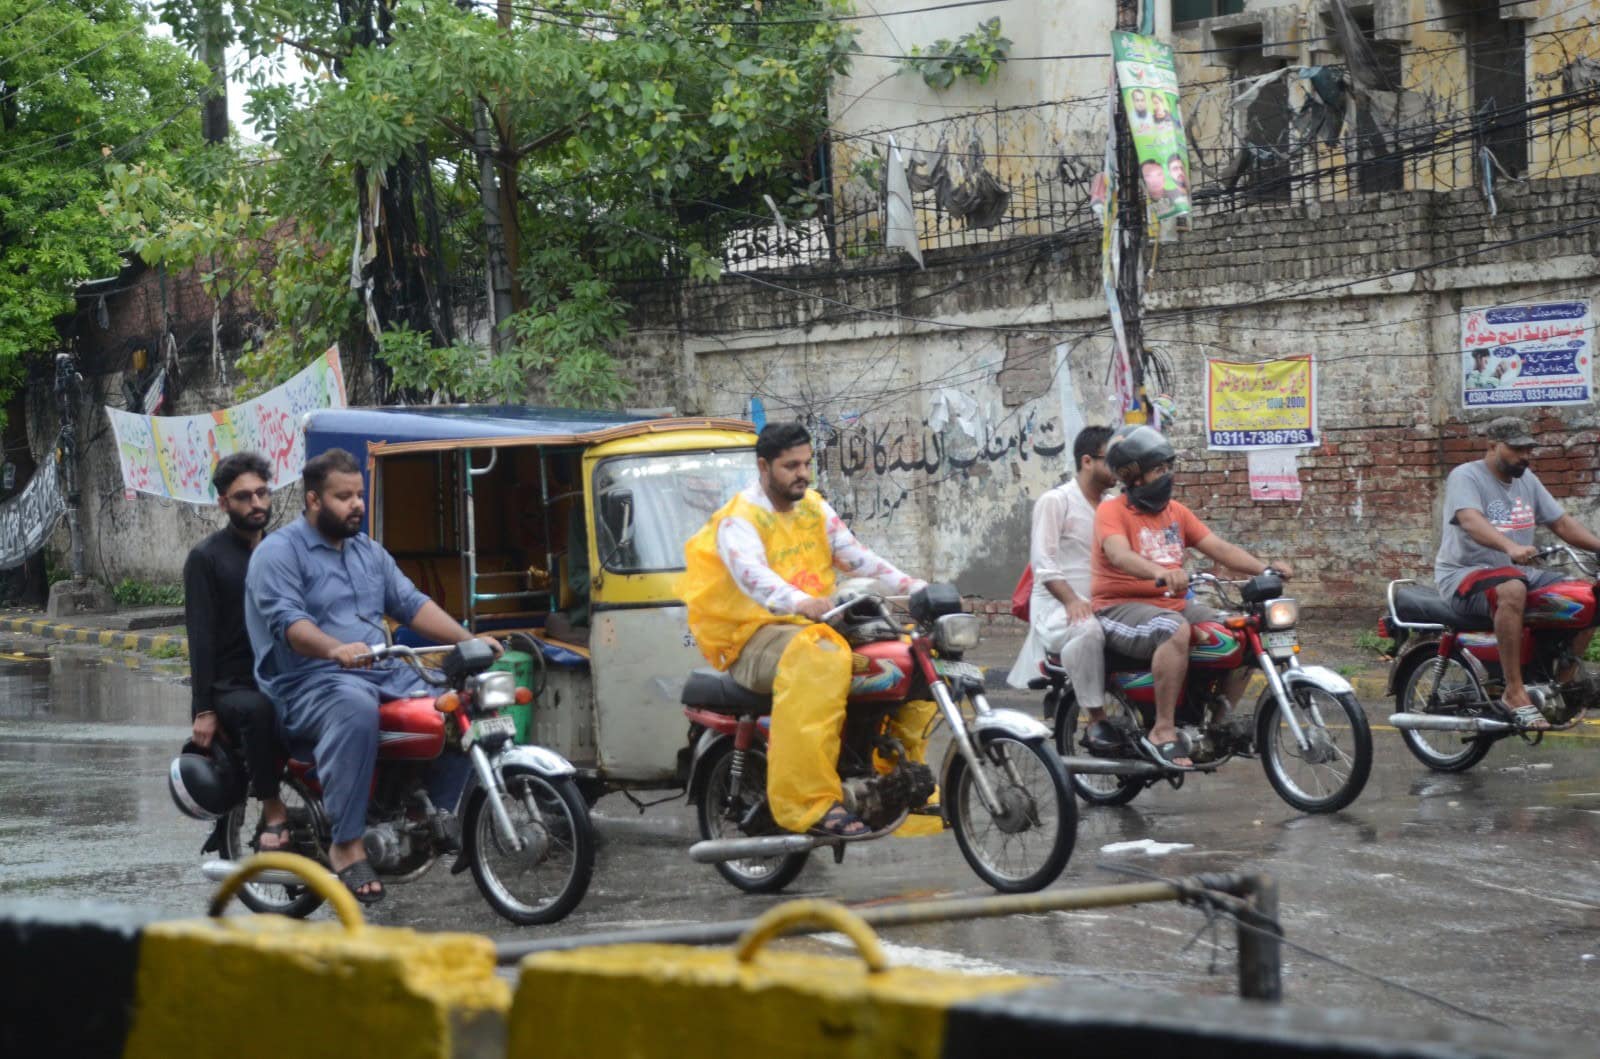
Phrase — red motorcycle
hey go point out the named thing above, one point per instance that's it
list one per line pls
(525, 830)
(1005, 793)
(1447, 671)
(1309, 729)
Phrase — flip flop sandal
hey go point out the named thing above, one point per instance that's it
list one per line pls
(1162, 754)
(1526, 718)
(280, 829)
(355, 876)
(835, 820)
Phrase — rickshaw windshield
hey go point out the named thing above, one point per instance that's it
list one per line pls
(647, 507)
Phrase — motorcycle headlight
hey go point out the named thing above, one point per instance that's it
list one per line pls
(1282, 614)
(956, 632)
(497, 690)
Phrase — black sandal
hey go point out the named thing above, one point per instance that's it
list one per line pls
(1163, 753)
(841, 824)
(280, 829)
(355, 876)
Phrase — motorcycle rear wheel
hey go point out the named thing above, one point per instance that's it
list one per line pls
(308, 834)
(1094, 788)
(1027, 847)
(1440, 751)
(755, 875)
(532, 885)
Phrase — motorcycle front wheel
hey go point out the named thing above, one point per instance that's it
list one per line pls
(1426, 688)
(721, 817)
(1330, 773)
(548, 876)
(1025, 845)
(308, 834)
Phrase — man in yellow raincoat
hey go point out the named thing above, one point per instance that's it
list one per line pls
(759, 577)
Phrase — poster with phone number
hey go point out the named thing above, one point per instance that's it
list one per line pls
(1537, 353)
(1262, 405)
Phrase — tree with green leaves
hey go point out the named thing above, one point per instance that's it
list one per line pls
(82, 86)
(565, 147)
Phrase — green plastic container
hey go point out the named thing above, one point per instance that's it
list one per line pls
(520, 664)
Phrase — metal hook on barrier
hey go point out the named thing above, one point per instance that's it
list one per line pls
(779, 921)
(318, 879)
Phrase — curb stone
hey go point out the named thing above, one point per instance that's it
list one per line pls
(61, 632)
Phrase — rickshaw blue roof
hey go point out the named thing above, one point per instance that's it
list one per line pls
(353, 428)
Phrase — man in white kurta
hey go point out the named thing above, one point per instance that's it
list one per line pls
(1061, 622)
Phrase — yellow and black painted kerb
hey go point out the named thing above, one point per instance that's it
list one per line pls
(143, 643)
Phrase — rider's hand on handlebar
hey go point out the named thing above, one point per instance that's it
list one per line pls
(1175, 581)
(813, 608)
(1522, 553)
(351, 656)
(499, 648)
(1283, 569)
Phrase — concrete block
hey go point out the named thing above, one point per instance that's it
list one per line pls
(70, 598)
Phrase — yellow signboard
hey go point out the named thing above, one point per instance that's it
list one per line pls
(1263, 405)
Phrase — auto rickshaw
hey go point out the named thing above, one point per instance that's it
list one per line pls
(565, 530)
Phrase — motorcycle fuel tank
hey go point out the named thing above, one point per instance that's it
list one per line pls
(881, 672)
(1563, 605)
(1215, 646)
(410, 730)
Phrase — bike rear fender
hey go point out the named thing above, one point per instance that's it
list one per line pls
(1426, 646)
(707, 742)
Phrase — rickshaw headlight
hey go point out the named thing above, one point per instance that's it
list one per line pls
(497, 690)
(956, 632)
(1282, 614)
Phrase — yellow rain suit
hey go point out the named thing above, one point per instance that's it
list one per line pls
(814, 670)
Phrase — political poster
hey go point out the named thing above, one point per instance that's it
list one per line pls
(1149, 83)
(1263, 405)
(27, 519)
(1539, 353)
(172, 456)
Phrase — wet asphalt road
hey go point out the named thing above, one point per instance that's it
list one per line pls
(1479, 888)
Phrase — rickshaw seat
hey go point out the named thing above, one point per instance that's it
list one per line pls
(717, 692)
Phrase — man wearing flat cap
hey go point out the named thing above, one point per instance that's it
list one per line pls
(1491, 508)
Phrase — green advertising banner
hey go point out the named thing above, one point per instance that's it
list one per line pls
(1150, 97)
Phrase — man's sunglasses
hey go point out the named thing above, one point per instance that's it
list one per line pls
(244, 496)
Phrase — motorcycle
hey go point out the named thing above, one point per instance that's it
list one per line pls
(525, 830)
(1308, 728)
(1005, 793)
(1447, 671)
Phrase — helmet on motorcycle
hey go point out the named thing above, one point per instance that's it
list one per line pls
(1136, 448)
(204, 784)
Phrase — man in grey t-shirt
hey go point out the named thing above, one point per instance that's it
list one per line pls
(1491, 508)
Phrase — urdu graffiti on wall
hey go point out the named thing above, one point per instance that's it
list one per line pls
(172, 456)
(27, 519)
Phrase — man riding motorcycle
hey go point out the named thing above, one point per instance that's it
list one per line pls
(1491, 507)
(759, 577)
(1141, 538)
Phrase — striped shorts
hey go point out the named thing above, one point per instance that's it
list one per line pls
(1137, 629)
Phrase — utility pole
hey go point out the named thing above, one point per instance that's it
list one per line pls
(1131, 223)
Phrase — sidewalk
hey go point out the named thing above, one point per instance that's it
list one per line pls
(158, 632)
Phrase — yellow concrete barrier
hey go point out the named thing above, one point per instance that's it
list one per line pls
(645, 1001)
(270, 987)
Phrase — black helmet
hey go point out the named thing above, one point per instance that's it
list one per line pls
(1138, 445)
(205, 783)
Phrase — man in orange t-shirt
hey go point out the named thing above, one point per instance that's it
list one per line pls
(1141, 538)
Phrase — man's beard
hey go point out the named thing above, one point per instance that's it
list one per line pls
(797, 489)
(254, 522)
(331, 525)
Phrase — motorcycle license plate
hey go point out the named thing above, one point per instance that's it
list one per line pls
(958, 671)
(1283, 640)
(491, 727)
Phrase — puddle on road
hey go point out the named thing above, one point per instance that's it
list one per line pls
(85, 689)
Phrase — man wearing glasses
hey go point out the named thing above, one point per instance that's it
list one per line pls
(224, 693)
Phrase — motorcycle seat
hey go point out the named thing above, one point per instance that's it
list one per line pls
(1423, 606)
(720, 693)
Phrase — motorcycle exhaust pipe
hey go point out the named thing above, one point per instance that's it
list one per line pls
(1427, 722)
(1099, 766)
(716, 850)
(219, 870)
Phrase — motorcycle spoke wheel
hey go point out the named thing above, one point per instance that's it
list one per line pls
(548, 876)
(1331, 772)
(719, 819)
(1094, 788)
(307, 836)
(1026, 845)
(1428, 690)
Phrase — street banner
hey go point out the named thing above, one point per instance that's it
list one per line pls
(1274, 474)
(1149, 83)
(27, 519)
(1265, 405)
(172, 456)
(1535, 354)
